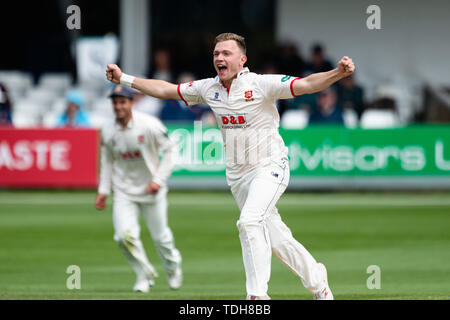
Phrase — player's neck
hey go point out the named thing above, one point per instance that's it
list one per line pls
(227, 83)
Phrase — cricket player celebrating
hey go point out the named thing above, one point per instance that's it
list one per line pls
(256, 157)
(130, 164)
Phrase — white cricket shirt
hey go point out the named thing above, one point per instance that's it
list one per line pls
(130, 157)
(246, 115)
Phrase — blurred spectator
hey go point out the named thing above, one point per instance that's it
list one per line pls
(162, 65)
(350, 95)
(327, 111)
(306, 102)
(384, 103)
(270, 68)
(74, 115)
(290, 62)
(318, 62)
(146, 104)
(5, 107)
(177, 110)
(161, 70)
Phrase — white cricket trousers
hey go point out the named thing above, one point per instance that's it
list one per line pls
(127, 234)
(261, 230)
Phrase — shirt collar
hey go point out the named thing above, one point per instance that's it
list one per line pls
(244, 71)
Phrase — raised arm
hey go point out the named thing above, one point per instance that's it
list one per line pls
(322, 80)
(155, 88)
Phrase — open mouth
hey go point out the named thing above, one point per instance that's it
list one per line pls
(221, 67)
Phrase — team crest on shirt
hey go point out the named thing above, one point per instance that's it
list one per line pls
(248, 95)
(141, 138)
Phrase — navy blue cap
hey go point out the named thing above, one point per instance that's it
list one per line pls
(122, 91)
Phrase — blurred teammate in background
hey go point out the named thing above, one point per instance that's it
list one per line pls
(256, 157)
(130, 164)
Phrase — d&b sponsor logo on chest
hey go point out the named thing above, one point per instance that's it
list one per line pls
(131, 155)
(234, 121)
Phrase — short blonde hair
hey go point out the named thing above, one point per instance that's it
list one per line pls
(240, 41)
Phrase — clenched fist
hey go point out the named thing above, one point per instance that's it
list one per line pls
(346, 66)
(113, 73)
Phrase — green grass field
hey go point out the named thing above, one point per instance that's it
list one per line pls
(406, 234)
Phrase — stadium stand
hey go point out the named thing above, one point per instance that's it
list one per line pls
(35, 105)
(295, 119)
(378, 119)
(55, 82)
(350, 118)
(437, 104)
(395, 102)
(17, 83)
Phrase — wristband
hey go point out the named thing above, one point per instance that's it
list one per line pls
(126, 80)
